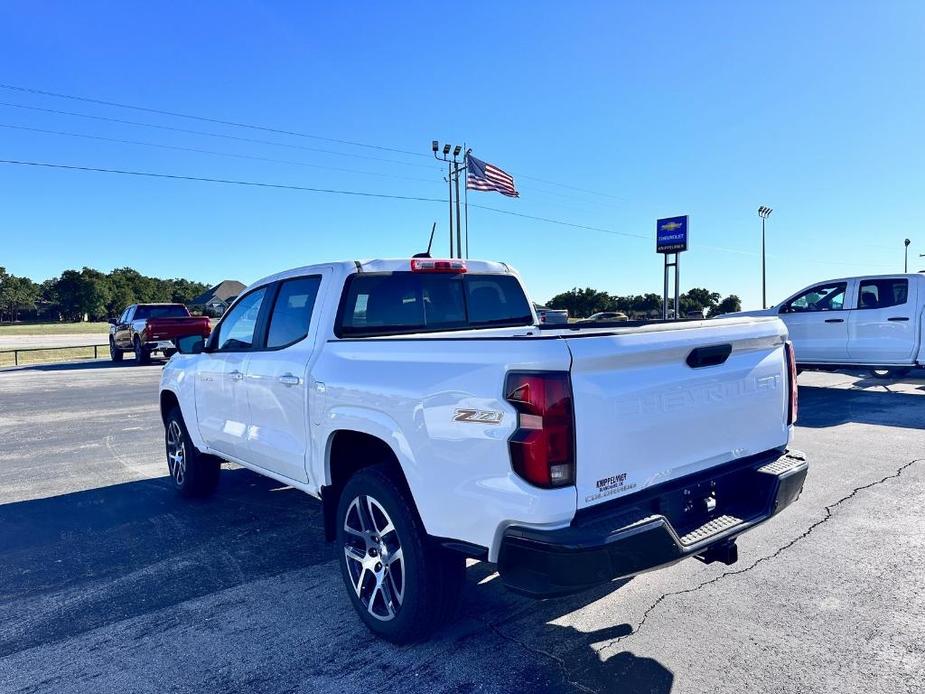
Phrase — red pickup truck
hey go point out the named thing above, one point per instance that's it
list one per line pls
(148, 328)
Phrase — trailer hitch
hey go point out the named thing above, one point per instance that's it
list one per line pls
(725, 552)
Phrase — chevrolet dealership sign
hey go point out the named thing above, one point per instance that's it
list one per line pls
(671, 235)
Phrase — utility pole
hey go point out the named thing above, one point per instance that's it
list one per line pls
(454, 167)
(764, 213)
(459, 246)
(906, 265)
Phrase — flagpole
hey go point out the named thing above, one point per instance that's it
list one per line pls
(459, 246)
(466, 196)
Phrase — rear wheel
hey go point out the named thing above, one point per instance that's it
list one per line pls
(889, 373)
(401, 584)
(142, 355)
(193, 474)
(114, 352)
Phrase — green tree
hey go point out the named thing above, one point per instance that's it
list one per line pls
(16, 294)
(83, 293)
(698, 300)
(730, 304)
(581, 303)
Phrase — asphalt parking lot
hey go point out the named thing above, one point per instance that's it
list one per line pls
(110, 583)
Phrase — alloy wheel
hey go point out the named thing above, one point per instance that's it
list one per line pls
(374, 557)
(176, 453)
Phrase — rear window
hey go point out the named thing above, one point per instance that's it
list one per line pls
(883, 293)
(404, 302)
(145, 312)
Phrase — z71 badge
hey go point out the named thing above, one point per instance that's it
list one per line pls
(478, 416)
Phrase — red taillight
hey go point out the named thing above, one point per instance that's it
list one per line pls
(542, 446)
(431, 265)
(792, 364)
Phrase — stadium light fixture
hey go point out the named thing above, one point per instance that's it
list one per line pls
(764, 213)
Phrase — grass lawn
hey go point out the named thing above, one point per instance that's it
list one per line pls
(53, 355)
(52, 328)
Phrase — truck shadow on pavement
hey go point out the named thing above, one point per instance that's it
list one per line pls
(828, 407)
(571, 655)
(131, 556)
(89, 365)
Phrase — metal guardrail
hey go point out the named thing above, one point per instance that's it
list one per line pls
(16, 352)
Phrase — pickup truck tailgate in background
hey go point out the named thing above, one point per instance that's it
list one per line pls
(653, 404)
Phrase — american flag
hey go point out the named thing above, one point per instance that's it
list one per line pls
(481, 175)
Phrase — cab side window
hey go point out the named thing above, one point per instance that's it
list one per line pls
(238, 328)
(825, 297)
(883, 293)
(292, 311)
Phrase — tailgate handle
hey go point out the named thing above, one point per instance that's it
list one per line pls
(708, 356)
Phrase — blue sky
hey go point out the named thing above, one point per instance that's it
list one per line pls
(663, 108)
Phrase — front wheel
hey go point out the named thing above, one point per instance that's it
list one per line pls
(401, 584)
(193, 474)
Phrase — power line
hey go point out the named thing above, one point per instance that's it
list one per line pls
(649, 238)
(571, 187)
(281, 186)
(228, 181)
(205, 133)
(206, 119)
(208, 151)
(279, 131)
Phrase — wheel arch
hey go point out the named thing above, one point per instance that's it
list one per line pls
(348, 451)
(168, 401)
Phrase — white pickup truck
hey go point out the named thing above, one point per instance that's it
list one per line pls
(436, 420)
(876, 322)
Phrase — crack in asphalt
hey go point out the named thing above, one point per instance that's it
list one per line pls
(560, 662)
(828, 515)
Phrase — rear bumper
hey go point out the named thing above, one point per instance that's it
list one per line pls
(653, 528)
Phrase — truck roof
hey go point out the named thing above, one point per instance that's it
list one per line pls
(893, 275)
(349, 267)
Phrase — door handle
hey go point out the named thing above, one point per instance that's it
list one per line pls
(289, 380)
(834, 320)
(236, 375)
(898, 318)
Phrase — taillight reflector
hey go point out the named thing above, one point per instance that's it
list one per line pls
(792, 365)
(543, 446)
(431, 265)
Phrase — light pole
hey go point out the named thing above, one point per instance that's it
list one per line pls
(906, 265)
(764, 213)
(454, 167)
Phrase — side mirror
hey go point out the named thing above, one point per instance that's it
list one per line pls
(784, 309)
(113, 321)
(191, 344)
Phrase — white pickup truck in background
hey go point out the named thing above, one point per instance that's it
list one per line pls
(422, 402)
(875, 322)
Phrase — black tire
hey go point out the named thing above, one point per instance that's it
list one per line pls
(169, 353)
(114, 352)
(430, 579)
(195, 474)
(142, 356)
(889, 373)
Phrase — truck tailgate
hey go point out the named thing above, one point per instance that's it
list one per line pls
(652, 404)
(172, 328)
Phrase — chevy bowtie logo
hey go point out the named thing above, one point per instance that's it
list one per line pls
(670, 226)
